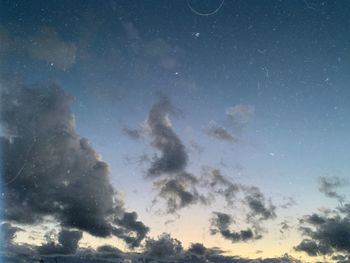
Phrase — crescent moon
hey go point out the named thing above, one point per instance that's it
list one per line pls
(205, 14)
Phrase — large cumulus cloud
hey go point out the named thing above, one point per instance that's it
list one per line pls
(49, 170)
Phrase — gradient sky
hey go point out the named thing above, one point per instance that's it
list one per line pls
(283, 65)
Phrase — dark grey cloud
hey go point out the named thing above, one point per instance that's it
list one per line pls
(10, 251)
(197, 252)
(178, 192)
(344, 209)
(260, 208)
(49, 170)
(174, 185)
(341, 258)
(312, 248)
(314, 219)
(325, 234)
(221, 224)
(108, 249)
(220, 133)
(130, 230)
(67, 243)
(329, 185)
(284, 227)
(173, 156)
(165, 247)
(197, 249)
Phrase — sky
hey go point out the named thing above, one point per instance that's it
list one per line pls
(213, 130)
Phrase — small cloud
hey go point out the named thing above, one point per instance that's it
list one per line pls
(133, 133)
(165, 247)
(241, 113)
(221, 223)
(220, 133)
(50, 47)
(329, 185)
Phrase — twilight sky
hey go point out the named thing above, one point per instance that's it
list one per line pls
(215, 130)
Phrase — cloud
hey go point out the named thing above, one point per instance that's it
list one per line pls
(220, 185)
(130, 230)
(49, 170)
(67, 243)
(165, 247)
(176, 186)
(325, 234)
(173, 158)
(284, 226)
(46, 45)
(10, 251)
(312, 248)
(197, 249)
(314, 219)
(8, 233)
(220, 133)
(221, 223)
(197, 252)
(289, 202)
(152, 52)
(328, 186)
(133, 133)
(179, 192)
(259, 207)
(241, 114)
(50, 47)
